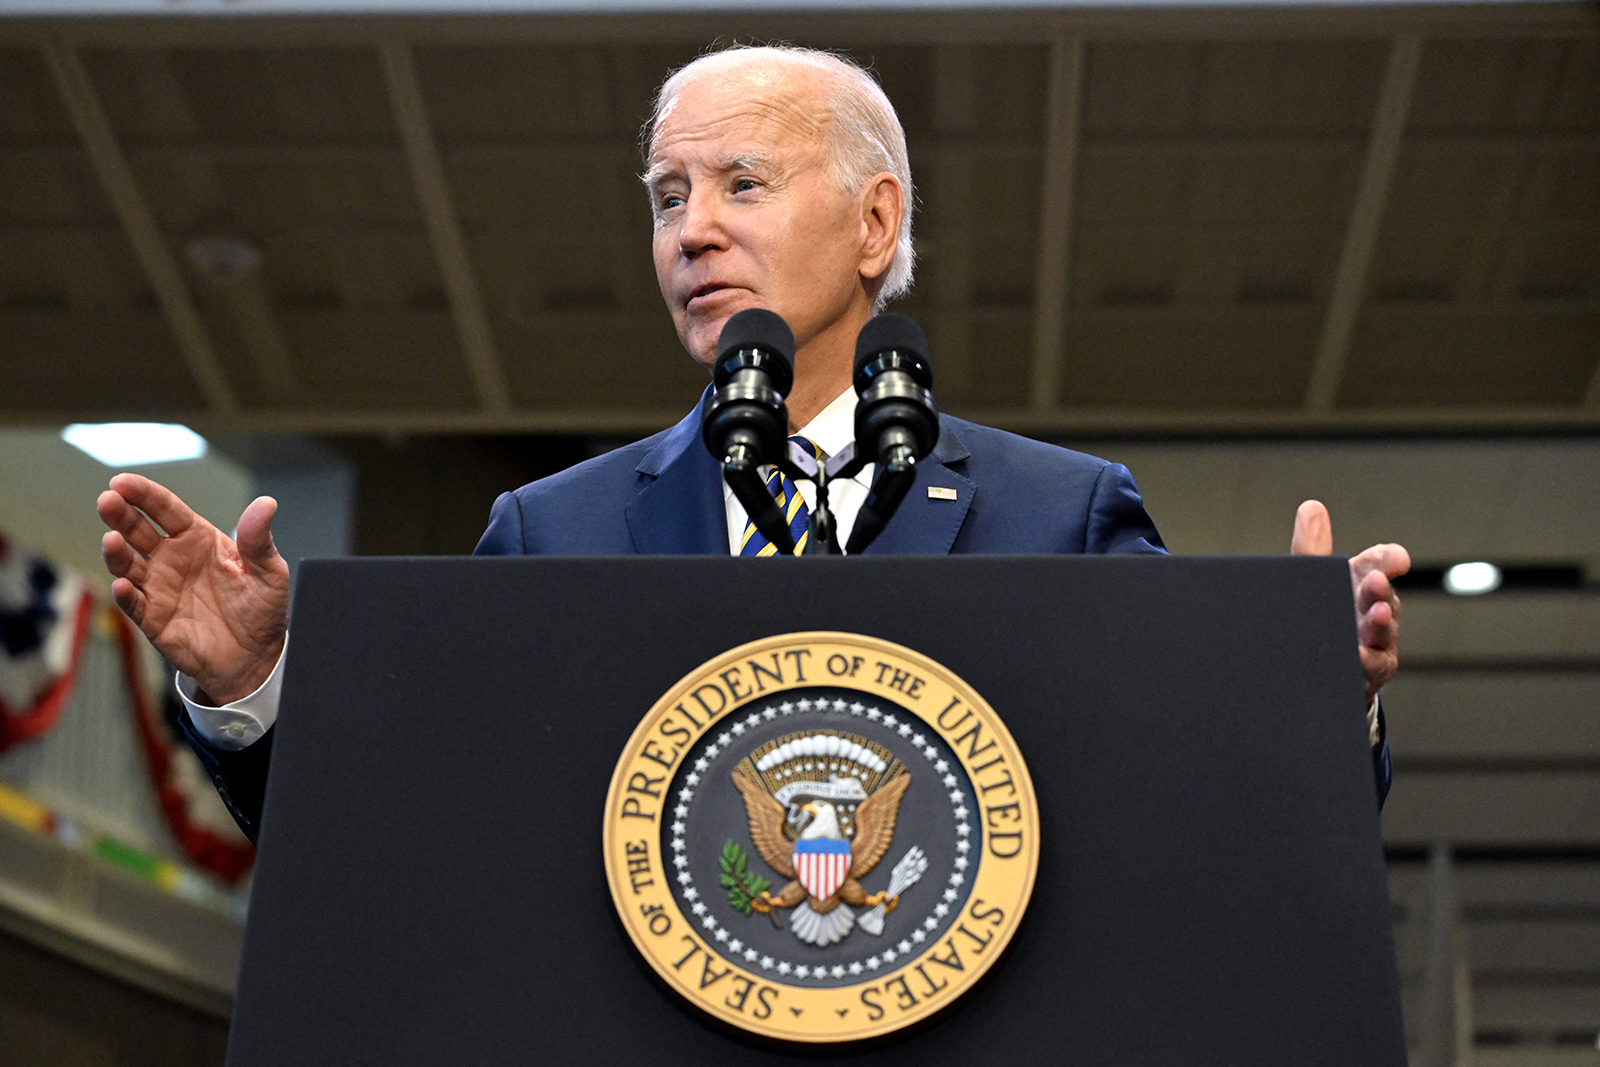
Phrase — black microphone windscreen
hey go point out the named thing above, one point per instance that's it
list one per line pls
(892, 332)
(756, 328)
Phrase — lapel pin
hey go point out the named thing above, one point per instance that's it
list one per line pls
(937, 492)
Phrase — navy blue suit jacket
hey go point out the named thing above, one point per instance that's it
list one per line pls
(663, 496)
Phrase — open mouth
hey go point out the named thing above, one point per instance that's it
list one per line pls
(706, 290)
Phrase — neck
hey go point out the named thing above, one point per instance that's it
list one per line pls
(822, 368)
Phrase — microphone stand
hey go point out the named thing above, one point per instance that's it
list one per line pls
(823, 537)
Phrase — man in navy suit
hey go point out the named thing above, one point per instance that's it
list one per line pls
(778, 179)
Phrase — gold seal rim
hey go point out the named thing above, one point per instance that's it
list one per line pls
(1017, 898)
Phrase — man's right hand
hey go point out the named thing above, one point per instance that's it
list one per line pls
(218, 610)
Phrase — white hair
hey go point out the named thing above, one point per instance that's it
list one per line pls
(865, 136)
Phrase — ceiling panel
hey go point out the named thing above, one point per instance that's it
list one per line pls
(1169, 358)
(372, 359)
(30, 109)
(1508, 85)
(1421, 354)
(123, 362)
(614, 361)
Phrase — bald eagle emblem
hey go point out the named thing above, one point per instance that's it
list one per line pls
(822, 807)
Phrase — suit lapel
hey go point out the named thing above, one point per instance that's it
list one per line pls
(924, 526)
(681, 512)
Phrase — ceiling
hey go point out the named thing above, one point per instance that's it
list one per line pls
(1129, 221)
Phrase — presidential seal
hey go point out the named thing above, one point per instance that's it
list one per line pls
(821, 837)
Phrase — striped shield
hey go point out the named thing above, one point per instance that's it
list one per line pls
(821, 864)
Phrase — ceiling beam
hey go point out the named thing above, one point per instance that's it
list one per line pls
(444, 226)
(260, 333)
(149, 247)
(1063, 124)
(1361, 236)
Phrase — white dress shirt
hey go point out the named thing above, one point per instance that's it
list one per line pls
(243, 721)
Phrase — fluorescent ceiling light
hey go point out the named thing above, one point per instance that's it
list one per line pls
(1470, 579)
(133, 444)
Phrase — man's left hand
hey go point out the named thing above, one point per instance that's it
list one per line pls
(1377, 605)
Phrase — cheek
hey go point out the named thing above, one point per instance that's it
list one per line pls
(831, 235)
(663, 252)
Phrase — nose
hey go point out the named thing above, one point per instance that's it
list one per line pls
(701, 227)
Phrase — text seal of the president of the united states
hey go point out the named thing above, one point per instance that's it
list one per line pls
(821, 837)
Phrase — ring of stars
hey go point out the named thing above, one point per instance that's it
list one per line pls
(733, 946)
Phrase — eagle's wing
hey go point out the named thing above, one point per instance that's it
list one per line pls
(875, 819)
(766, 826)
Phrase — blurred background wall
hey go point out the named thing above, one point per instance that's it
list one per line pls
(393, 264)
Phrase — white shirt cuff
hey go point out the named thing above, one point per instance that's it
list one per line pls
(241, 723)
(1372, 722)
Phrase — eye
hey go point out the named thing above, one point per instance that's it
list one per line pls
(669, 201)
(744, 185)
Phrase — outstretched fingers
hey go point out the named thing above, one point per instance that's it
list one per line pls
(1378, 611)
(121, 560)
(156, 501)
(1389, 559)
(130, 600)
(115, 511)
(1377, 604)
(1378, 624)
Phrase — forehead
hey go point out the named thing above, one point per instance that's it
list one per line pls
(750, 110)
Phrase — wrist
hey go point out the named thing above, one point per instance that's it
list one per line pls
(221, 691)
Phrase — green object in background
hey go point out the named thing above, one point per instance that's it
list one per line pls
(129, 858)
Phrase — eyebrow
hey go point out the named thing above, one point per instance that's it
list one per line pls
(743, 161)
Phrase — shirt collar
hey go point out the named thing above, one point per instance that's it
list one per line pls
(834, 426)
(832, 429)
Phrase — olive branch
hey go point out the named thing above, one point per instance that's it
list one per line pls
(742, 886)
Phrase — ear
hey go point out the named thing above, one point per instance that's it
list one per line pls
(882, 208)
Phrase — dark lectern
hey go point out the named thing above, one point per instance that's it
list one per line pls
(1211, 888)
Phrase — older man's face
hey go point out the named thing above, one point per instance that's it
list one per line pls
(747, 213)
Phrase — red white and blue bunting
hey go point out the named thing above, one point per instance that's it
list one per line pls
(45, 612)
(44, 621)
(188, 801)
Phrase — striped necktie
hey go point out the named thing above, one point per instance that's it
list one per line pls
(793, 506)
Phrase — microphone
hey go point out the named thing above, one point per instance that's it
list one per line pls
(897, 423)
(746, 425)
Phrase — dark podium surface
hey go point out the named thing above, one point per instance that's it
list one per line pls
(1211, 887)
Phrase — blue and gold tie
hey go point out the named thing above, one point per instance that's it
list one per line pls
(793, 506)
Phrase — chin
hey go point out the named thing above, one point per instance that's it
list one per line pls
(701, 345)
(700, 338)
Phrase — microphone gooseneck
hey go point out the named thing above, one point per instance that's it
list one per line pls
(897, 424)
(746, 424)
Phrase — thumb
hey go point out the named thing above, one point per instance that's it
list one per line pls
(1313, 531)
(254, 534)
